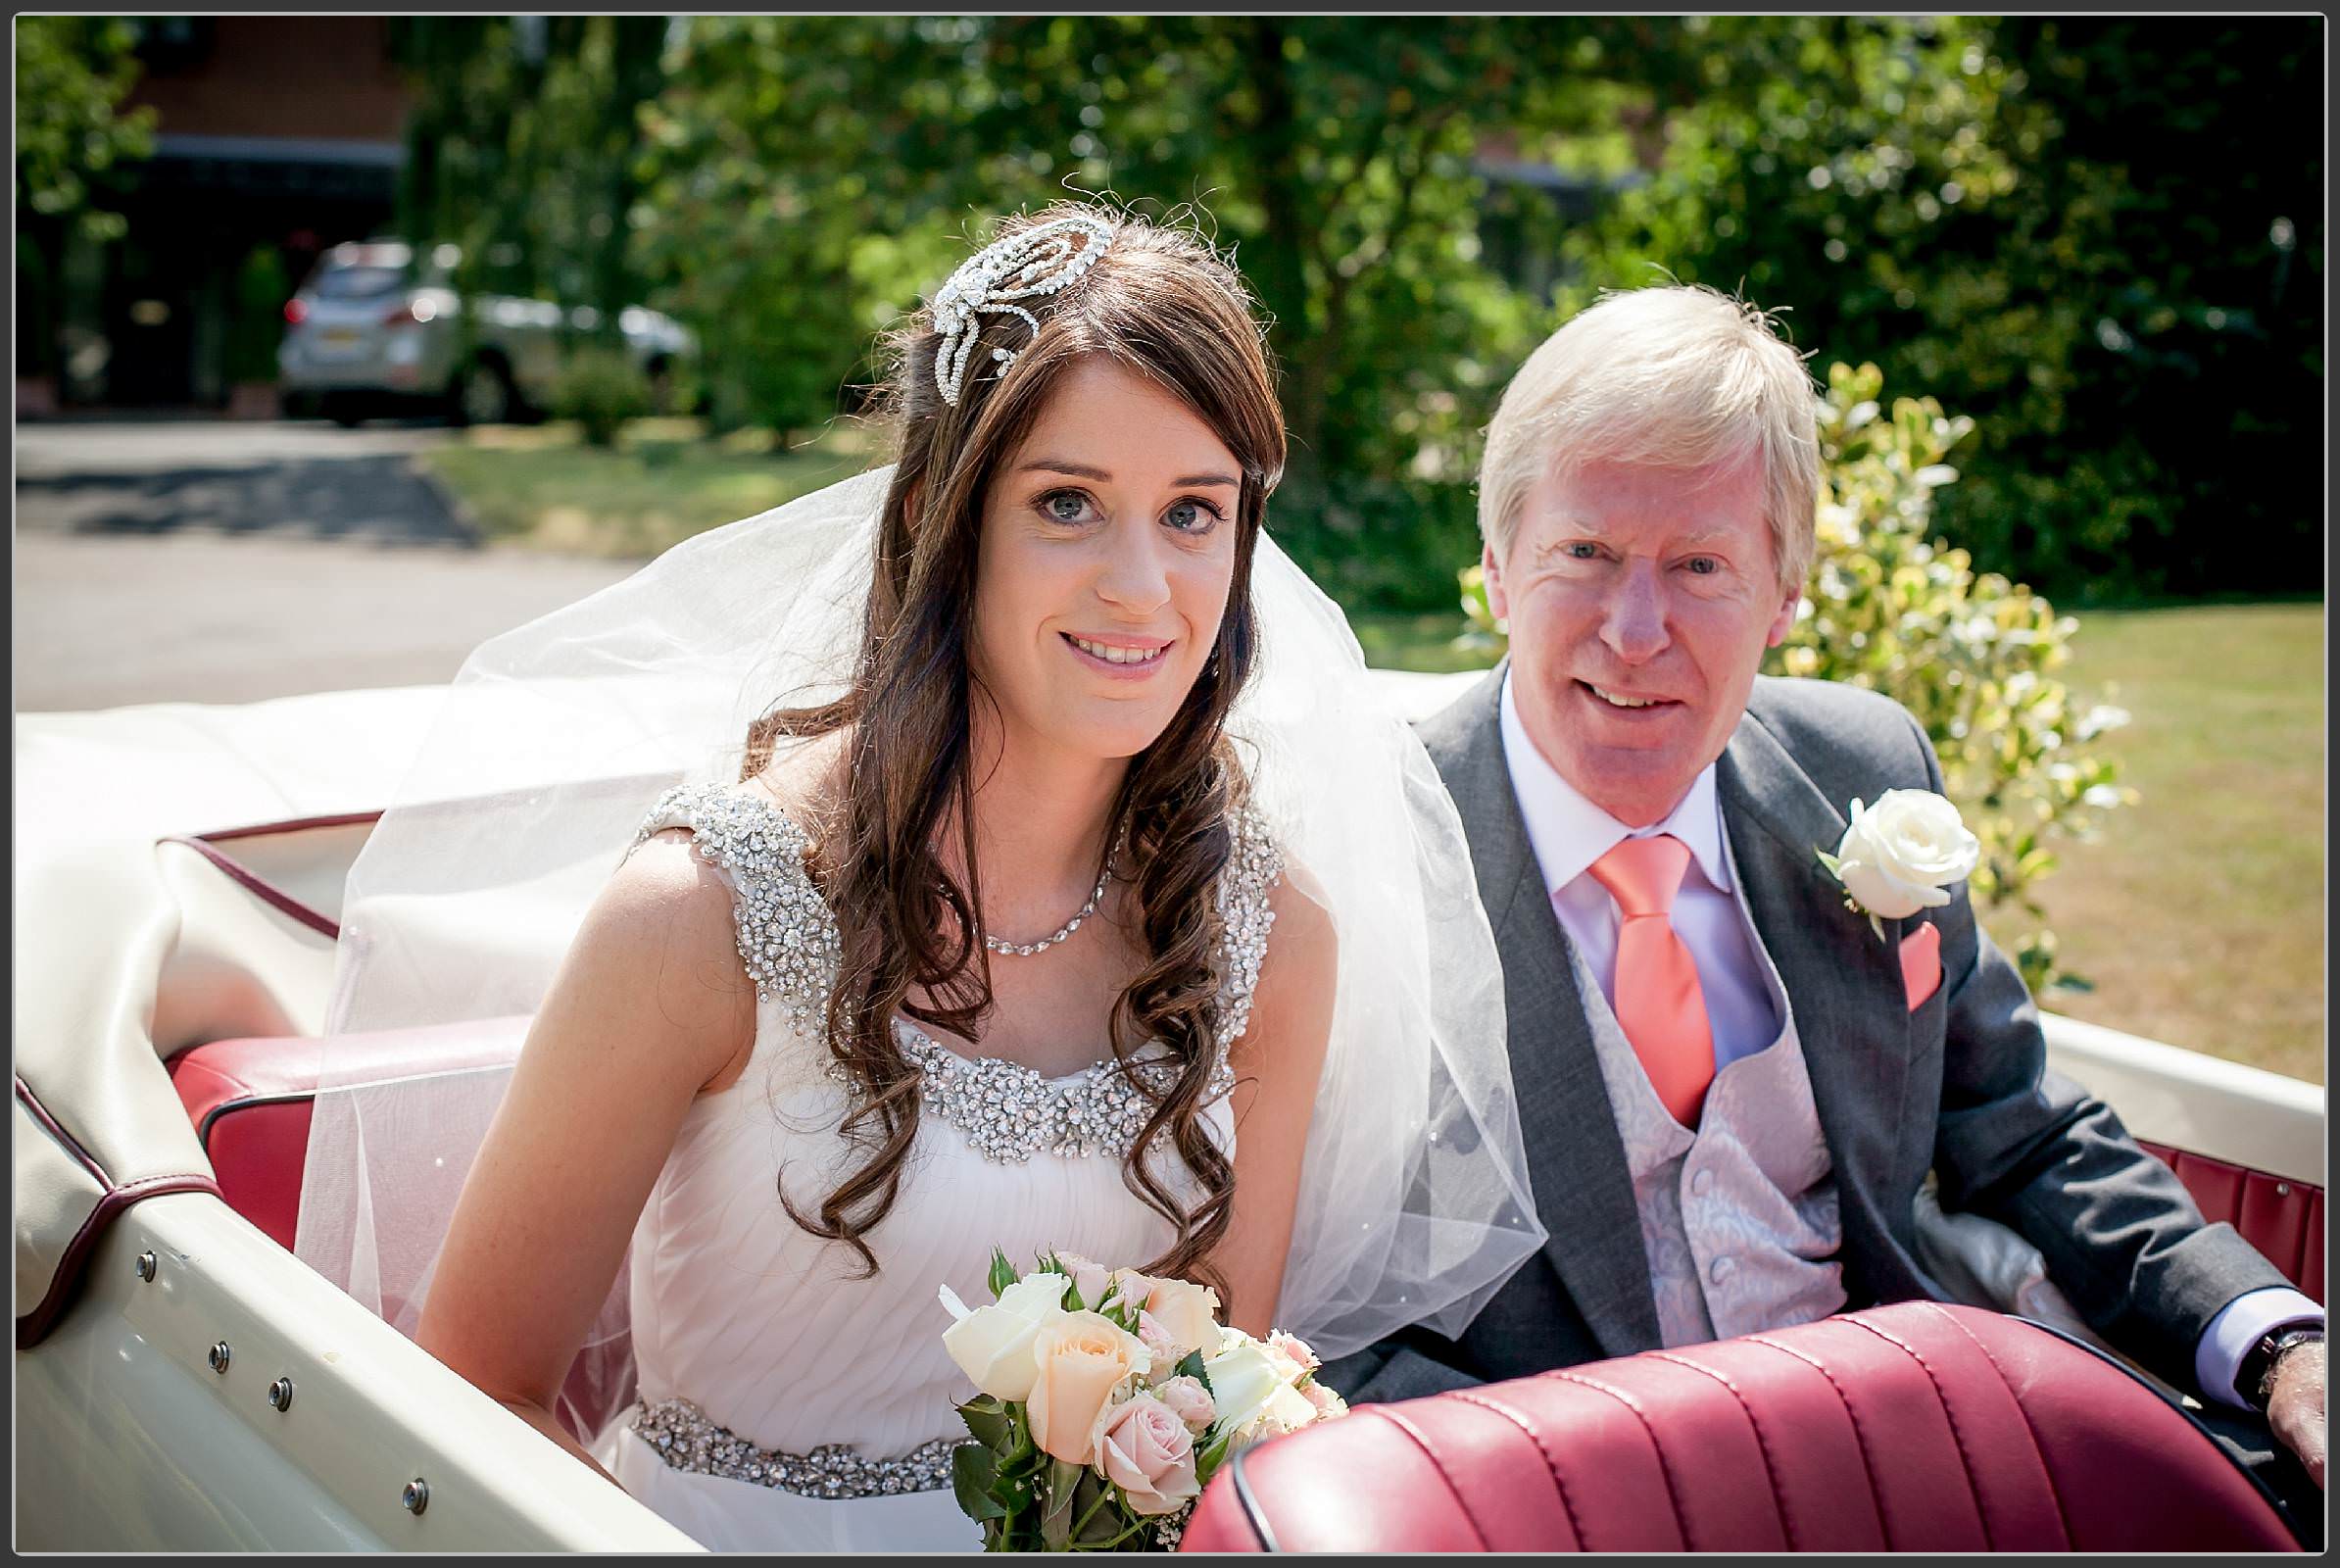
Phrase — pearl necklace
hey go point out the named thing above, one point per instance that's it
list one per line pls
(1025, 950)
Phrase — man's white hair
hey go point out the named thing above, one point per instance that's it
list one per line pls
(1676, 376)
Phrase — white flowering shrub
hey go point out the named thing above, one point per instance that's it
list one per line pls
(1970, 655)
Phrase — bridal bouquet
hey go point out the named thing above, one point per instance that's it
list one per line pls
(1108, 1400)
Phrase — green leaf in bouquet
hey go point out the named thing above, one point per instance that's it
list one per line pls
(1003, 1273)
(1212, 1455)
(1191, 1367)
(973, 1468)
(1057, 1523)
(990, 1424)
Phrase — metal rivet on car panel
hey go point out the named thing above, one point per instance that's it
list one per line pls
(280, 1393)
(417, 1495)
(219, 1354)
(146, 1267)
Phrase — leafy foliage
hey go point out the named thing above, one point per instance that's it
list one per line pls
(2098, 237)
(600, 388)
(1970, 655)
(73, 139)
(1890, 607)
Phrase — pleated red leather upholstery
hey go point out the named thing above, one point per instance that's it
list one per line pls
(1908, 1428)
(250, 1099)
(2281, 1217)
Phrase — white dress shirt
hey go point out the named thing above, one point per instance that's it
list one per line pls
(1568, 833)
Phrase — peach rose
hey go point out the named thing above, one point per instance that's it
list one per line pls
(1145, 1448)
(1188, 1313)
(1189, 1402)
(1081, 1358)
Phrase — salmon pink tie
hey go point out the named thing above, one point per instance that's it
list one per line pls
(1658, 1003)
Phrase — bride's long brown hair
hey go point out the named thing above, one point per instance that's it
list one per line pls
(1160, 300)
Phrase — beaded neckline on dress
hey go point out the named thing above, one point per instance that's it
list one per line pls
(1007, 1111)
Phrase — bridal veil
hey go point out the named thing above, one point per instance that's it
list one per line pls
(556, 738)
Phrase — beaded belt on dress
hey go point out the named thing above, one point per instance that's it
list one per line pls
(687, 1440)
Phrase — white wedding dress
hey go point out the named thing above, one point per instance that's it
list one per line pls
(784, 1404)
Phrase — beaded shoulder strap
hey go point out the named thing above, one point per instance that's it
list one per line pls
(1255, 865)
(786, 931)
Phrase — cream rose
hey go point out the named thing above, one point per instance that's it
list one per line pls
(1242, 1379)
(1189, 1402)
(1898, 856)
(1286, 1409)
(1081, 1357)
(993, 1344)
(1142, 1447)
(1188, 1313)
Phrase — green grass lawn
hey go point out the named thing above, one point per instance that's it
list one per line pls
(542, 487)
(2199, 915)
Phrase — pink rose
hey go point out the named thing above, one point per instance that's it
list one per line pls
(1145, 1448)
(1089, 1278)
(1327, 1403)
(1294, 1346)
(1189, 1402)
(1156, 1339)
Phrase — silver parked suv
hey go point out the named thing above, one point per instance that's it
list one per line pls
(377, 328)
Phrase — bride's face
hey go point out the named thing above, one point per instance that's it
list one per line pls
(1107, 548)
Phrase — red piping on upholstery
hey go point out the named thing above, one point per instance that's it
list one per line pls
(298, 824)
(1462, 1505)
(1559, 1486)
(1852, 1418)
(34, 1325)
(2047, 1475)
(315, 919)
(1771, 1471)
(1941, 1397)
(1681, 1518)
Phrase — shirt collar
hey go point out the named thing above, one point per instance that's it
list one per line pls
(1568, 832)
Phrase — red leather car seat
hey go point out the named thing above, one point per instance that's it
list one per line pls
(1911, 1426)
(250, 1099)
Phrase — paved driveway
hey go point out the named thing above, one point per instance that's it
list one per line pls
(225, 563)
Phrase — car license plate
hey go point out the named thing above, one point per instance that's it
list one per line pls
(339, 337)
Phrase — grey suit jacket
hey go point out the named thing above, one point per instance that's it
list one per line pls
(1960, 1085)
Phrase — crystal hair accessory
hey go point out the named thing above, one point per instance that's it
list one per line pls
(1033, 265)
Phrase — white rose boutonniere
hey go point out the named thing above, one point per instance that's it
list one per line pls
(1898, 856)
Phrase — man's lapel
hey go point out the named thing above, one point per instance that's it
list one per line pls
(1575, 1156)
(1843, 983)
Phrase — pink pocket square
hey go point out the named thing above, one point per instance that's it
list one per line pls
(1922, 964)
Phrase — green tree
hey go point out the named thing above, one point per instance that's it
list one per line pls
(2102, 238)
(74, 147)
(73, 138)
(813, 175)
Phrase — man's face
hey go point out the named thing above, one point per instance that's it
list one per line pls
(1640, 602)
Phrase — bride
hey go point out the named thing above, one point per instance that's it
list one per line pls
(1090, 906)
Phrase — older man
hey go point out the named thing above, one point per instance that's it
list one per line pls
(1732, 1088)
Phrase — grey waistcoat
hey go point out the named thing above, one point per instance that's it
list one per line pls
(1739, 1218)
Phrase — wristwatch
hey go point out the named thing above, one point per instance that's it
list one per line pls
(2258, 1369)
